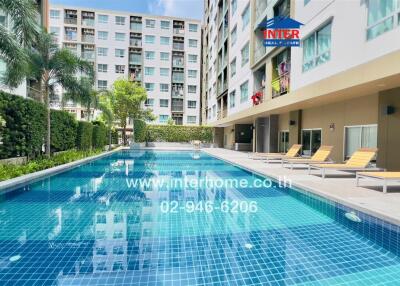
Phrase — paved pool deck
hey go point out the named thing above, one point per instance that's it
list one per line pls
(337, 186)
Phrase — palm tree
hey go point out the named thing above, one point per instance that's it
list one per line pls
(22, 34)
(51, 66)
(107, 114)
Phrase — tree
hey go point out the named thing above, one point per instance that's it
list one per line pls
(127, 102)
(107, 114)
(22, 34)
(51, 66)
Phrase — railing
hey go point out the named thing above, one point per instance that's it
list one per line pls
(88, 38)
(71, 21)
(178, 46)
(135, 43)
(137, 27)
(258, 96)
(135, 60)
(177, 62)
(178, 78)
(88, 55)
(88, 22)
(177, 93)
(177, 108)
(136, 77)
(70, 37)
(179, 31)
(280, 85)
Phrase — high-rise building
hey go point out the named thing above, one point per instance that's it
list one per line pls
(340, 87)
(162, 53)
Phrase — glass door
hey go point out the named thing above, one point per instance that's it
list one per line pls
(311, 141)
(283, 141)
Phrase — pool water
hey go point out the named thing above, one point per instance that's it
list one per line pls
(86, 226)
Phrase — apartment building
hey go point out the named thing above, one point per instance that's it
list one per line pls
(161, 53)
(340, 87)
(26, 89)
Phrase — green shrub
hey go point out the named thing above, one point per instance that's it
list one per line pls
(63, 131)
(114, 137)
(178, 133)
(84, 135)
(100, 135)
(140, 131)
(25, 128)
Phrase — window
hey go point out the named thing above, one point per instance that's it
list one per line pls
(102, 35)
(192, 58)
(164, 87)
(164, 40)
(149, 70)
(233, 67)
(164, 56)
(311, 141)
(192, 73)
(102, 68)
(103, 19)
(120, 69)
(149, 39)
(102, 84)
(233, 36)
(117, 234)
(283, 141)
(149, 102)
(381, 17)
(356, 137)
(163, 102)
(54, 14)
(244, 92)
(120, 36)
(164, 71)
(191, 104)
(245, 17)
(191, 119)
(234, 6)
(102, 52)
(163, 118)
(119, 20)
(118, 250)
(317, 48)
(150, 55)
(245, 54)
(192, 43)
(306, 2)
(192, 88)
(193, 27)
(149, 86)
(55, 31)
(101, 219)
(118, 218)
(232, 98)
(150, 23)
(165, 25)
(119, 53)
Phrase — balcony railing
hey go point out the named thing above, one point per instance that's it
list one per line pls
(88, 39)
(177, 62)
(178, 46)
(177, 108)
(178, 78)
(177, 93)
(135, 60)
(90, 56)
(71, 21)
(135, 77)
(137, 27)
(70, 37)
(88, 22)
(280, 85)
(179, 31)
(135, 43)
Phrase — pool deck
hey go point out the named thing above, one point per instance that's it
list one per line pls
(337, 186)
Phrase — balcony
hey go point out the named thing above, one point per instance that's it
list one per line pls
(177, 107)
(178, 62)
(178, 46)
(179, 31)
(280, 85)
(71, 21)
(135, 76)
(88, 22)
(178, 77)
(70, 37)
(261, 6)
(177, 93)
(88, 55)
(258, 96)
(136, 27)
(222, 114)
(135, 43)
(135, 59)
(88, 39)
(259, 52)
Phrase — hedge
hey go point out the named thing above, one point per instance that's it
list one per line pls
(140, 131)
(100, 135)
(178, 133)
(63, 131)
(84, 135)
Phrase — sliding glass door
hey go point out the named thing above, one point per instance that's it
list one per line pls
(364, 136)
(283, 141)
(311, 141)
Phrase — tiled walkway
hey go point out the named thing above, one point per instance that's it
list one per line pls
(338, 186)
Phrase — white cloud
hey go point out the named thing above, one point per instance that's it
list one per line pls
(178, 8)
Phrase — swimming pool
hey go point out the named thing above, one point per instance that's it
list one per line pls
(90, 226)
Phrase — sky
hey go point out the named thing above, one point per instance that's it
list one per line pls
(179, 8)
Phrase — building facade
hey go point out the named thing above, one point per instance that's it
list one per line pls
(340, 87)
(162, 53)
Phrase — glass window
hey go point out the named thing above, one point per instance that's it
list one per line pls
(101, 219)
(164, 56)
(283, 141)
(150, 55)
(164, 71)
(245, 54)
(192, 88)
(233, 36)
(164, 87)
(102, 52)
(165, 25)
(306, 2)
(150, 23)
(191, 104)
(192, 43)
(149, 70)
(119, 53)
(149, 86)
(119, 20)
(149, 102)
(103, 19)
(193, 27)
(234, 6)
(381, 15)
(317, 48)
(118, 218)
(120, 69)
(245, 17)
(233, 67)
(102, 84)
(356, 137)
(244, 92)
(163, 118)
(311, 141)
(102, 68)
(120, 36)
(191, 119)
(164, 40)
(192, 58)
(192, 73)
(163, 102)
(232, 98)
(118, 234)
(149, 39)
(55, 31)
(54, 14)
(102, 35)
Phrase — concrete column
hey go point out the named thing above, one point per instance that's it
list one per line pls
(294, 127)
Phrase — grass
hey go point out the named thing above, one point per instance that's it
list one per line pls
(8, 171)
